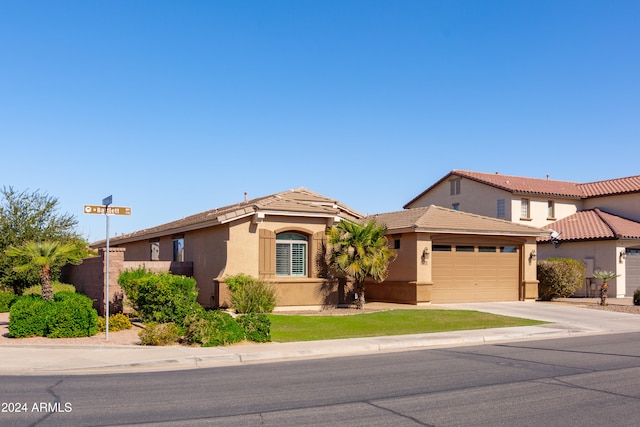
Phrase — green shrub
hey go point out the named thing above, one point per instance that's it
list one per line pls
(73, 316)
(117, 322)
(250, 295)
(559, 278)
(160, 334)
(213, 328)
(6, 299)
(160, 297)
(257, 327)
(636, 297)
(57, 287)
(68, 315)
(29, 316)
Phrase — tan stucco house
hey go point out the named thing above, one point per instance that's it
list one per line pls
(596, 222)
(442, 255)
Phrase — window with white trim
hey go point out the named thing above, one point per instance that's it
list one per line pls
(524, 209)
(501, 212)
(291, 255)
(455, 186)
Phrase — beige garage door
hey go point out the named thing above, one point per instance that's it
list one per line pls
(632, 279)
(472, 273)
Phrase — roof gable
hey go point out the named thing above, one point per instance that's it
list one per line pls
(543, 187)
(436, 219)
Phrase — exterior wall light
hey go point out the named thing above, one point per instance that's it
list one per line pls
(622, 256)
(532, 255)
(425, 255)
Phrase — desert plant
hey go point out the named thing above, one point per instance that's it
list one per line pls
(359, 251)
(213, 328)
(117, 322)
(604, 276)
(6, 299)
(559, 278)
(160, 334)
(636, 297)
(251, 295)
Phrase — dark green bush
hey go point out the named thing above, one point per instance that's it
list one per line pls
(250, 295)
(559, 278)
(117, 322)
(160, 297)
(73, 316)
(68, 315)
(6, 299)
(636, 297)
(257, 327)
(213, 328)
(160, 334)
(29, 316)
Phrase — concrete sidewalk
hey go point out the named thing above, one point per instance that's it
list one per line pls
(565, 320)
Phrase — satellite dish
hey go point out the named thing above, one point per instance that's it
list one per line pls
(554, 235)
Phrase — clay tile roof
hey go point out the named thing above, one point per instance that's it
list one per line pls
(518, 184)
(299, 200)
(629, 184)
(437, 219)
(594, 224)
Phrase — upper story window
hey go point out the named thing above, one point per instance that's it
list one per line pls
(155, 251)
(178, 249)
(455, 186)
(501, 212)
(551, 209)
(291, 254)
(525, 211)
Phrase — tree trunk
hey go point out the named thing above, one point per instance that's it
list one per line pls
(360, 292)
(603, 293)
(45, 282)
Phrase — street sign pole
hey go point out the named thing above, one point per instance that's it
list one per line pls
(107, 211)
(106, 202)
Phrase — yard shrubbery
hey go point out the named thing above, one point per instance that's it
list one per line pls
(57, 287)
(559, 278)
(68, 315)
(117, 322)
(250, 295)
(6, 299)
(167, 304)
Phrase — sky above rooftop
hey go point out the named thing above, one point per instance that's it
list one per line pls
(175, 108)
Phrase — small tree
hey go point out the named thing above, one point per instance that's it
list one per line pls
(605, 276)
(43, 255)
(359, 251)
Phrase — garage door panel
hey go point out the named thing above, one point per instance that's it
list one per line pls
(632, 272)
(475, 276)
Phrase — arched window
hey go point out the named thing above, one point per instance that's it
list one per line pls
(291, 254)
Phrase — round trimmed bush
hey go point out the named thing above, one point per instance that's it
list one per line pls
(6, 299)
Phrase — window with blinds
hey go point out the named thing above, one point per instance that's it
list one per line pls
(291, 254)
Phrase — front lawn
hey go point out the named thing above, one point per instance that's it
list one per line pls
(287, 328)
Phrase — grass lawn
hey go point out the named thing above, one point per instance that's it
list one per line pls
(286, 328)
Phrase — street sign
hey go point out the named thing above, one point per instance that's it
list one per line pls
(111, 210)
(107, 200)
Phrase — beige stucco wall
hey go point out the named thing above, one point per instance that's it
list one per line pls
(625, 205)
(538, 210)
(474, 197)
(599, 255)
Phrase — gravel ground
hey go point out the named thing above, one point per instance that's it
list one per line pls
(130, 336)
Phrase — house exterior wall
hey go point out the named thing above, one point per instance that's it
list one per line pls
(624, 205)
(474, 197)
(538, 210)
(596, 255)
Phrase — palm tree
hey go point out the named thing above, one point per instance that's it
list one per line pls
(43, 255)
(359, 251)
(605, 276)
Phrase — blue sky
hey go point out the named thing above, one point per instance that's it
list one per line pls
(179, 107)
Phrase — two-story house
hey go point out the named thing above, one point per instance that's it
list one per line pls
(596, 222)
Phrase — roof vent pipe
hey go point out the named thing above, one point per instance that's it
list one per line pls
(245, 197)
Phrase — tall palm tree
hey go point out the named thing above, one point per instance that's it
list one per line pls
(43, 255)
(359, 251)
